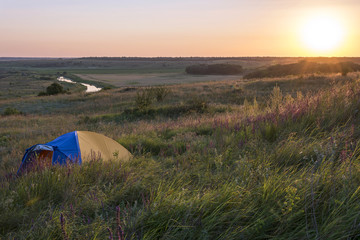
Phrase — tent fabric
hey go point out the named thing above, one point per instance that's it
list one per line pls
(67, 145)
(76, 147)
(94, 145)
(43, 147)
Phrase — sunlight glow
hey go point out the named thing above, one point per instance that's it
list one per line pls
(322, 33)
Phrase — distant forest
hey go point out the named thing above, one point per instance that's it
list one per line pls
(178, 58)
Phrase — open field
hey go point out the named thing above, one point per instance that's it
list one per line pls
(150, 79)
(30, 76)
(83, 65)
(222, 158)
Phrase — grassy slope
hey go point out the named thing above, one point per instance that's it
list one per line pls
(282, 167)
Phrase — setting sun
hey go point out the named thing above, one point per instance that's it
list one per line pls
(322, 33)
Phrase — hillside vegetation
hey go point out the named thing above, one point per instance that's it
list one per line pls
(304, 67)
(214, 69)
(262, 159)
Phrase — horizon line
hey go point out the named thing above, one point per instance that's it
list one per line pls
(149, 57)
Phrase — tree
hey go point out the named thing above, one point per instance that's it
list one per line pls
(54, 89)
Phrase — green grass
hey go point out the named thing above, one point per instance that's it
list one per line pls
(125, 71)
(26, 83)
(285, 166)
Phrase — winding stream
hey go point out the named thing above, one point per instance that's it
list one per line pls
(89, 88)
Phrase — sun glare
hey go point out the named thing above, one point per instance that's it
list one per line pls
(322, 33)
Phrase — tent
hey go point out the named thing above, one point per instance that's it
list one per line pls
(75, 147)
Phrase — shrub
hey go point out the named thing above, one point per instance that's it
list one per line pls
(160, 93)
(53, 89)
(11, 111)
(144, 99)
(42, 94)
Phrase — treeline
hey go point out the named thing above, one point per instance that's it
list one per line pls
(304, 67)
(179, 58)
(214, 69)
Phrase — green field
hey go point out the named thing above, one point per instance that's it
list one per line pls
(151, 79)
(220, 157)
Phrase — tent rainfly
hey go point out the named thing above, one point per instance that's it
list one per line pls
(75, 147)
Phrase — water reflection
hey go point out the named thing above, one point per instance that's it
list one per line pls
(89, 88)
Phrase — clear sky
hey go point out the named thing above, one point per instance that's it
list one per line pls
(72, 28)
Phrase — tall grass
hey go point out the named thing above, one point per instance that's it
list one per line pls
(284, 168)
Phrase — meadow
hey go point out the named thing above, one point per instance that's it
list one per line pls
(220, 158)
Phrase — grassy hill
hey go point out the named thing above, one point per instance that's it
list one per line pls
(258, 159)
(304, 67)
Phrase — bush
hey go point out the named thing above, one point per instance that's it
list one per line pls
(11, 111)
(144, 99)
(160, 93)
(53, 89)
(214, 69)
(42, 94)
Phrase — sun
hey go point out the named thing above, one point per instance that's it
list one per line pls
(322, 33)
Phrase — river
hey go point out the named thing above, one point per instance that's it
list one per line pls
(89, 88)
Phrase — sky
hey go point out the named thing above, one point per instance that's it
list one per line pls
(170, 28)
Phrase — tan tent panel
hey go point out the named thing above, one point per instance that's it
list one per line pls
(94, 146)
